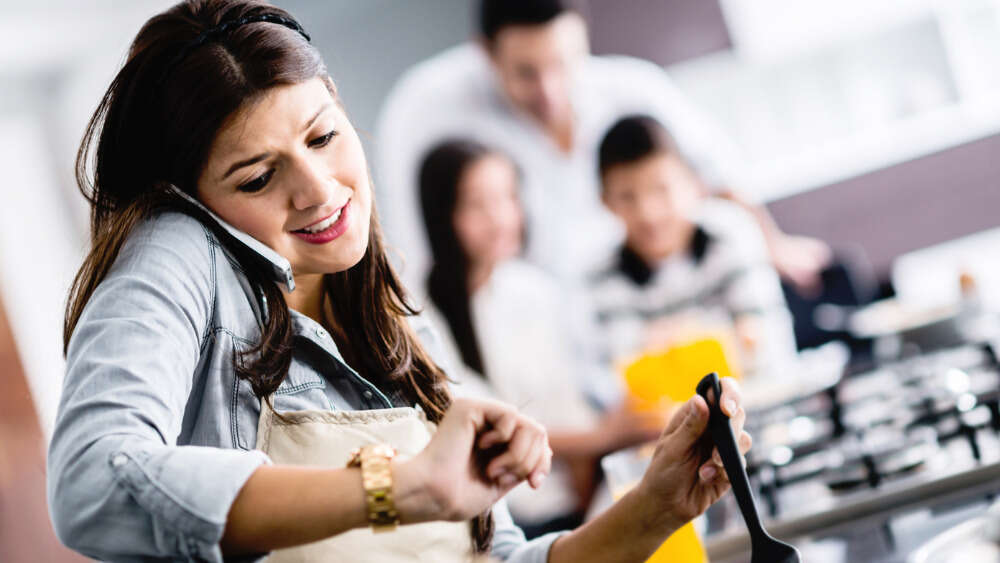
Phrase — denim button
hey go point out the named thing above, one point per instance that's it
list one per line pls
(119, 460)
(368, 394)
(320, 332)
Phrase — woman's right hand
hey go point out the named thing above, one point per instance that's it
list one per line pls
(680, 484)
(480, 451)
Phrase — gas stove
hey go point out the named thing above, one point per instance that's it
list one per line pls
(876, 463)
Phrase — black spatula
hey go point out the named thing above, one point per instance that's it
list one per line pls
(765, 549)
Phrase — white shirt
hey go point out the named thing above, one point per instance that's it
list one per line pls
(526, 332)
(732, 278)
(456, 95)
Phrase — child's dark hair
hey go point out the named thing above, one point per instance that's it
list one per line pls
(632, 139)
(440, 175)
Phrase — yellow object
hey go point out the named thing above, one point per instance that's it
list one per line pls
(683, 546)
(671, 376)
(655, 381)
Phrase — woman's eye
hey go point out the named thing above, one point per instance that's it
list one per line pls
(257, 183)
(320, 142)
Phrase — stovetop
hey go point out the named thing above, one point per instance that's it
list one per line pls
(914, 434)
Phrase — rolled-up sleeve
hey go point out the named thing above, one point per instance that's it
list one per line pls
(119, 486)
(509, 544)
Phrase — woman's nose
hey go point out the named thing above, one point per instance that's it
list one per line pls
(312, 186)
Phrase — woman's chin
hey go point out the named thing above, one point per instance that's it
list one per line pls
(329, 265)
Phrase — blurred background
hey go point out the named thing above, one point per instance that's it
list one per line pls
(873, 126)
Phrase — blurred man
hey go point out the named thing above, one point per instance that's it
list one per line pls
(529, 87)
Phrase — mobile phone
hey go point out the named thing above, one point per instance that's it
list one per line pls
(281, 267)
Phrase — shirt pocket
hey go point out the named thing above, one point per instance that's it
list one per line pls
(302, 389)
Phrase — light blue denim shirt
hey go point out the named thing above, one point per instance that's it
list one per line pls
(155, 433)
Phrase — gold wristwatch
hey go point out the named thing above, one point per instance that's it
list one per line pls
(376, 477)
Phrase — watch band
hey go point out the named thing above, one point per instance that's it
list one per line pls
(376, 478)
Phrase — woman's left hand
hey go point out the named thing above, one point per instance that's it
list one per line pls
(480, 451)
(680, 484)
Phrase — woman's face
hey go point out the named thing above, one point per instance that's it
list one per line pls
(288, 169)
(655, 198)
(487, 216)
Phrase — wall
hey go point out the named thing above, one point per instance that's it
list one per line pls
(368, 44)
(663, 31)
(25, 530)
(908, 206)
(885, 186)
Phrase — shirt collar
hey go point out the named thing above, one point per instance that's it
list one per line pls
(637, 270)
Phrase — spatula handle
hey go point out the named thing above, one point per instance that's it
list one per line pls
(725, 442)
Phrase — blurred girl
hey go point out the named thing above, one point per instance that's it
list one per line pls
(513, 327)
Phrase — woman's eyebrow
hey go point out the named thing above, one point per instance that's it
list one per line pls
(315, 116)
(255, 159)
(247, 162)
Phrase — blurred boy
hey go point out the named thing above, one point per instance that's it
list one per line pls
(688, 262)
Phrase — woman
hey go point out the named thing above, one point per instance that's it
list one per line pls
(223, 166)
(511, 327)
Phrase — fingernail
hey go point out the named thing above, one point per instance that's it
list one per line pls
(507, 479)
(692, 408)
(707, 473)
(730, 406)
(537, 479)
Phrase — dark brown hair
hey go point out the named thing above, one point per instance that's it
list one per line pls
(154, 127)
(632, 139)
(448, 279)
(495, 15)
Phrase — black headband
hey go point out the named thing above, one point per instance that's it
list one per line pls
(222, 29)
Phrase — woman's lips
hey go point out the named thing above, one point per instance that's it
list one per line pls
(330, 233)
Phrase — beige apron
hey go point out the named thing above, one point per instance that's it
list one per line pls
(327, 438)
